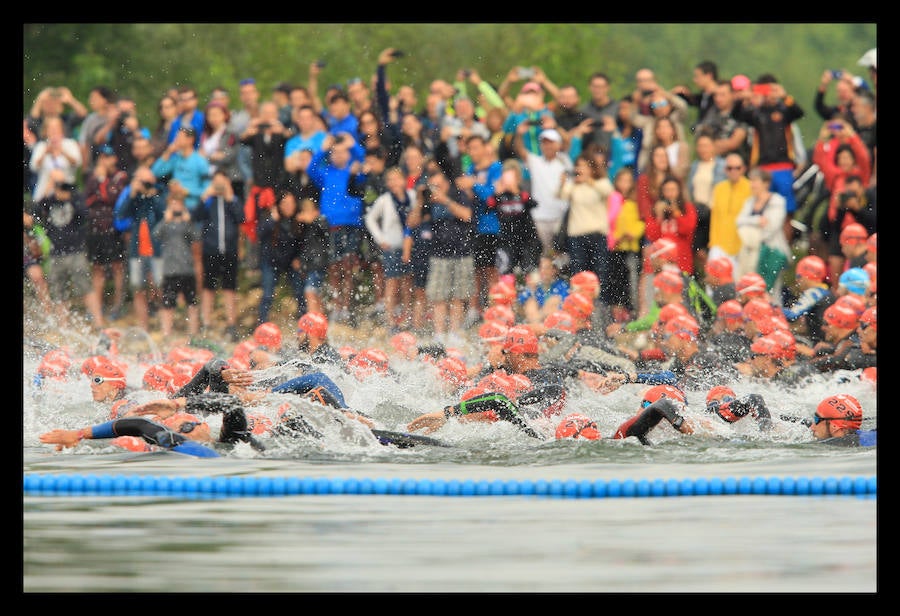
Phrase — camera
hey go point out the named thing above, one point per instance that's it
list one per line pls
(148, 185)
(263, 126)
(177, 214)
(321, 63)
(426, 193)
(846, 196)
(526, 73)
(397, 53)
(67, 186)
(467, 72)
(836, 74)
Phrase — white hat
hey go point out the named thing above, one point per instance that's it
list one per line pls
(552, 134)
(868, 59)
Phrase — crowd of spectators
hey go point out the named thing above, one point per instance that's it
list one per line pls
(368, 203)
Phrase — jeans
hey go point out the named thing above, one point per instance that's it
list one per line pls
(270, 275)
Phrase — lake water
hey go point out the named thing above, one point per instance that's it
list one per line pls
(423, 543)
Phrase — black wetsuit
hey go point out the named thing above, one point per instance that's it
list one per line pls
(751, 404)
(641, 423)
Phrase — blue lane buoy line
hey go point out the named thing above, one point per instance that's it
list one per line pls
(225, 487)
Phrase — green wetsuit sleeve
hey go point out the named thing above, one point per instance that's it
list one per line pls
(645, 322)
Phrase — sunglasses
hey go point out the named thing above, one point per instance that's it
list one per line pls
(735, 168)
(725, 399)
(817, 420)
(100, 380)
(188, 426)
(659, 104)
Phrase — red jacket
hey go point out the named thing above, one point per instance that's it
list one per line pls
(681, 230)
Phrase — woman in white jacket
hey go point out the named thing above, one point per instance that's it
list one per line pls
(762, 217)
(386, 221)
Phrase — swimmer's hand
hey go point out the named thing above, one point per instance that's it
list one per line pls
(429, 422)
(61, 438)
(236, 376)
(161, 409)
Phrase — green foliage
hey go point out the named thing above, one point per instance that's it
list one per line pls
(142, 60)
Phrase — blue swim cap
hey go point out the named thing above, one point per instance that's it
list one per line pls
(856, 280)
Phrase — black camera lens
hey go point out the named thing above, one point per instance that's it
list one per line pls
(148, 185)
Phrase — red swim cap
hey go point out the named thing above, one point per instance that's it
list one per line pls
(663, 391)
(520, 339)
(843, 410)
(721, 268)
(502, 293)
(268, 335)
(576, 426)
(668, 282)
(578, 306)
(811, 267)
(315, 324)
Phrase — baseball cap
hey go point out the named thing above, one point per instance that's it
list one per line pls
(842, 410)
(856, 280)
(720, 267)
(854, 233)
(106, 150)
(247, 81)
(552, 134)
(577, 426)
(868, 59)
(520, 339)
(315, 324)
(268, 335)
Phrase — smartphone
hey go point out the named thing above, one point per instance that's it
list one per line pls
(526, 73)
(762, 88)
(835, 126)
(398, 53)
(467, 72)
(836, 74)
(321, 63)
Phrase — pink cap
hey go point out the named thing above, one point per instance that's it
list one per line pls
(740, 82)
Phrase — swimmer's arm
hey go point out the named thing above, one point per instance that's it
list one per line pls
(163, 409)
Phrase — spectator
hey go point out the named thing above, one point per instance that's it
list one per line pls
(52, 103)
(105, 243)
(183, 162)
(240, 120)
(527, 113)
(518, 244)
(189, 115)
(545, 171)
(167, 110)
(763, 213)
(144, 208)
(544, 291)
(624, 243)
(600, 105)
(100, 100)
(865, 120)
(386, 222)
(627, 140)
(662, 131)
(419, 221)
(676, 218)
(728, 134)
(176, 234)
(63, 214)
(279, 254)
(330, 170)
(314, 238)
(728, 197)
(478, 181)
(706, 77)
(451, 268)
(587, 221)
(53, 151)
(219, 216)
(771, 112)
(220, 145)
(707, 170)
(844, 90)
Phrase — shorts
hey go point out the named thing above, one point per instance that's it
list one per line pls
(185, 284)
(220, 271)
(143, 270)
(394, 267)
(105, 248)
(484, 250)
(450, 278)
(70, 277)
(343, 241)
